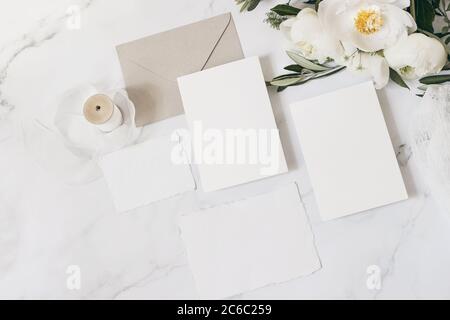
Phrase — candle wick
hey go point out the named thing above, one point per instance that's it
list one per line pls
(97, 108)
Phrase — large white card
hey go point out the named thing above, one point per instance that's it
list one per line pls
(348, 151)
(234, 135)
(249, 244)
(148, 172)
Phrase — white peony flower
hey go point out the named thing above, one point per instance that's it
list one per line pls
(369, 25)
(370, 64)
(416, 56)
(308, 36)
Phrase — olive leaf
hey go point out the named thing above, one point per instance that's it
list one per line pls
(253, 4)
(317, 4)
(294, 68)
(437, 79)
(436, 3)
(423, 87)
(328, 72)
(294, 79)
(288, 75)
(397, 78)
(424, 14)
(248, 5)
(285, 10)
(288, 81)
(305, 63)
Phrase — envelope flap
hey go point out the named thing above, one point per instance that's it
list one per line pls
(177, 52)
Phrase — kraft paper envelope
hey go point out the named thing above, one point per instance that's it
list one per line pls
(152, 65)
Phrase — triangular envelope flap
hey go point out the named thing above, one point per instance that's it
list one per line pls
(228, 49)
(177, 52)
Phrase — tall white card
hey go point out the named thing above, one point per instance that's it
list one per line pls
(249, 244)
(348, 151)
(234, 135)
(148, 172)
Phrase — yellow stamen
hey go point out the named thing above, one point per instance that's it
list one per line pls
(368, 21)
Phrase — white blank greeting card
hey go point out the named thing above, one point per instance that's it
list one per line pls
(146, 172)
(249, 244)
(348, 151)
(235, 139)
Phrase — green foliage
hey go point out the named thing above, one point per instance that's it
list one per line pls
(274, 19)
(280, 13)
(285, 10)
(397, 78)
(248, 5)
(305, 63)
(437, 79)
(298, 78)
(303, 70)
(424, 12)
(293, 68)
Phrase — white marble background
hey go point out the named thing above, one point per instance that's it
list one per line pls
(46, 225)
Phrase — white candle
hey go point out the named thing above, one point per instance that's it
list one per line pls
(101, 111)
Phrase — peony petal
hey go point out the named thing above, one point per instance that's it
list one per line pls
(330, 48)
(372, 65)
(402, 4)
(402, 17)
(394, 29)
(419, 54)
(308, 36)
(285, 28)
(327, 13)
(378, 67)
(307, 27)
(338, 18)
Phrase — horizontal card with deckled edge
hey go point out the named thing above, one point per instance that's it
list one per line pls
(146, 172)
(248, 244)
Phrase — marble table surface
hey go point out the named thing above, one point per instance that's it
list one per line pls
(46, 225)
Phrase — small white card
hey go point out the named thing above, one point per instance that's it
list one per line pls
(144, 173)
(348, 151)
(249, 244)
(235, 139)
